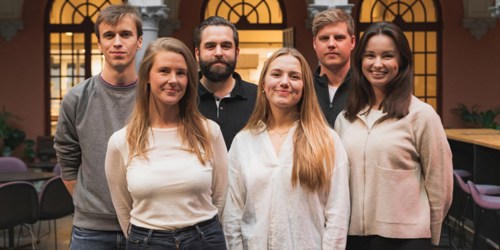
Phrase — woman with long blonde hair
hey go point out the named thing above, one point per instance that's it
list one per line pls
(288, 181)
(167, 169)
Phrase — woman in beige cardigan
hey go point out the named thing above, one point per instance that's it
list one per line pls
(401, 169)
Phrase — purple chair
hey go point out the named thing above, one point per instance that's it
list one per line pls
(19, 206)
(12, 164)
(463, 199)
(55, 203)
(484, 202)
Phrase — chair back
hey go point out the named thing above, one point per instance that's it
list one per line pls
(461, 182)
(55, 200)
(57, 169)
(12, 164)
(19, 204)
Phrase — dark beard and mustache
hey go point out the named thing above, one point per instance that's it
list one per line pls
(217, 74)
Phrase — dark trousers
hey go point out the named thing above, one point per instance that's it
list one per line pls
(206, 235)
(375, 242)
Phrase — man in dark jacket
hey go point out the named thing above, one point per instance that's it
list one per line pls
(224, 97)
(333, 41)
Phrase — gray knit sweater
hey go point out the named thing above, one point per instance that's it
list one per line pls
(90, 113)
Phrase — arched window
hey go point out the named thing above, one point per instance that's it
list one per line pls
(421, 22)
(261, 26)
(71, 49)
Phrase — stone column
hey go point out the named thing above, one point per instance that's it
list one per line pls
(152, 11)
(320, 5)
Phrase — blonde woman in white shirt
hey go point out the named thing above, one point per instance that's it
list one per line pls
(167, 169)
(288, 171)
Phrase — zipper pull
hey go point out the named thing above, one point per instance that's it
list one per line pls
(177, 243)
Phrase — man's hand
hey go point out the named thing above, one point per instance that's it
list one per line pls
(70, 186)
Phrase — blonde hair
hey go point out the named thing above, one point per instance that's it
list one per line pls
(330, 16)
(192, 126)
(313, 144)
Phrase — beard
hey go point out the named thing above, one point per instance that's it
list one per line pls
(217, 73)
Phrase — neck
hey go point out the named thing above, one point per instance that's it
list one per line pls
(220, 89)
(282, 119)
(119, 77)
(165, 116)
(335, 75)
(379, 97)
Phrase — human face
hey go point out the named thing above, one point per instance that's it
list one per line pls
(333, 46)
(119, 44)
(380, 63)
(217, 53)
(168, 78)
(283, 83)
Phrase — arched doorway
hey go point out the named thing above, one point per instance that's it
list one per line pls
(421, 22)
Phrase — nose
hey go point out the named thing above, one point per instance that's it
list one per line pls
(331, 42)
(378, 62)
(117, 41)
(218, 51)
(285, 81)
(172, 79)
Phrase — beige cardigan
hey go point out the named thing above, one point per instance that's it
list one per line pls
(401, 174)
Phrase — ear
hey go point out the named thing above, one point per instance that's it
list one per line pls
(197, 54)
(237, 53)
(353, 42)
(139, 42)
(99, 45)
(314, 42)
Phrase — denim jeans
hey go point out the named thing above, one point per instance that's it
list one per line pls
(206, 235)
(85, 239)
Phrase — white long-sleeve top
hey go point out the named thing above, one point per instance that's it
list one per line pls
(172, 189)
(264, 211)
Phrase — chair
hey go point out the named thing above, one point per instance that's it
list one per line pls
(57, 169)
(484, 202)
(463, 201)
(12, 164)
(19, 205)
(55, 203)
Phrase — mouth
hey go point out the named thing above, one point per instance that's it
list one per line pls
(378, 74)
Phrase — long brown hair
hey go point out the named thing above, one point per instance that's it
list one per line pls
(313, 144)
(398, 92)
(192, 126)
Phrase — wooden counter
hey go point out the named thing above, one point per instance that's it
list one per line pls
(484, 137)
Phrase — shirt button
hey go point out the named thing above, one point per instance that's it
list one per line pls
(221, 108)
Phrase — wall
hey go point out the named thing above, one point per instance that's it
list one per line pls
(22, 71)
(471, 68)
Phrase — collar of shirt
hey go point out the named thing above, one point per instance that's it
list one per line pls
(323, 79)
(237, 92)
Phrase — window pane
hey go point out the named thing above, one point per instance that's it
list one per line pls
(431, 63)
(419, 42)
(419, 87)
(432, 86)
(431, 42)
(419, 63)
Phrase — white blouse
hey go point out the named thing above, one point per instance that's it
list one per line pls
(264, 211)
(172, 189)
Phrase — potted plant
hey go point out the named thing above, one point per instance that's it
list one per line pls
(481, 119)
(10, 136)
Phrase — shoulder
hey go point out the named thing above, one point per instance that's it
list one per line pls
(212, 127)
(119, 137)
(422, 110)
(81, 89)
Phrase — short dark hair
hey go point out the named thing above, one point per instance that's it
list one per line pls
(398, 92)
(214, 21)
(113, 13)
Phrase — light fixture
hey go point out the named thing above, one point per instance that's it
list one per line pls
(69, 33)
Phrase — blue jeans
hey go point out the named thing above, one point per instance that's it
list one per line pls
(205, 235)
(86, 239)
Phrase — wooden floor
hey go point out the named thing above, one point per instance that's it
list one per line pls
(46, 242)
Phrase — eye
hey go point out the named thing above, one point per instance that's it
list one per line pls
(295, 76)
(227, 45)
(323, 38)
(164, 70)
(369, 56)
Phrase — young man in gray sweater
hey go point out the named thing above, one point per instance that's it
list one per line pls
(90, 112)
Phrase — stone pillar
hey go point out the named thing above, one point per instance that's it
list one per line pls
(320, 5)
(152, 11)
(10, 18)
